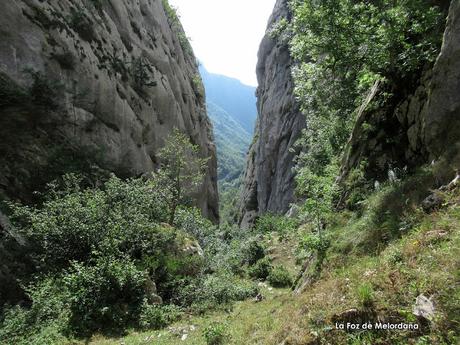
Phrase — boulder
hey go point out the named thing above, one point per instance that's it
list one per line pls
(424, 307)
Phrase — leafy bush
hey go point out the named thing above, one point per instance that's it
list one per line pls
(44, 322)
(141, 72)
(66, 60)
(212, 291)
(280, 277)
(104, 297)
(191, 221)
(176, 26)
(215, 334)
(365, 294)
(75, 224)
(252, 251)
(43, 92)
(313, 242)
(261, 269)
(158, 316)
(10, 92)
(275, 223)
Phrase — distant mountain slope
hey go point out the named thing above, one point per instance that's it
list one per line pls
(232, 142)
(237, 99)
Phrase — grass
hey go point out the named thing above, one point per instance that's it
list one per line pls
(380, 285)
(248, 323)
(426, 261)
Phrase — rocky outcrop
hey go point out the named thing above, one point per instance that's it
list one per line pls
(441, 114)
(96, 80)
(269, 178)
(423, 127)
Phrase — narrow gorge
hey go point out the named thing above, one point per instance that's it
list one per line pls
(111, 80)
(146, 198)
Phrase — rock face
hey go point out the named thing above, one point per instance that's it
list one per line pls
(269, 179)
(110, 79)
(441, 114)
(423, 127)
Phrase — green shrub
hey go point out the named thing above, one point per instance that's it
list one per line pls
(275, 223)
(44, 322)
(252, 251)
(261, 269)
(66, 60)
(141, 72)
(213, 291)
(107, 297)
(43, 92)
(190, 220)
(176, 26)
(76, 225)
(280, 277)
(215, 334)
(10, 92)
(158, 316)
(365, 294)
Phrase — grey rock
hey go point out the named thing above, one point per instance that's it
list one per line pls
(433, 202)
(259, 298)
(269, 178)
(425, 126)
(152, 293)
(424, 307)
(293, 211)
(105, 104)
(441, 118)
(193, 248)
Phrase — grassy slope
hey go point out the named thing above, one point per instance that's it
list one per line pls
(232, 142)
(425, 260)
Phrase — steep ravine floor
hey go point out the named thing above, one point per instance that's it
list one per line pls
(425, 261)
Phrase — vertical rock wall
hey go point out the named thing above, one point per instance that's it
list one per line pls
(424, 127)
(269, 179)
(122, 76)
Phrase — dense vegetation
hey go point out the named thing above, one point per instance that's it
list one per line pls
(343, 49)
(237, 99)
(341, 58)
(133, 256)
(232, 109)
(232, 143)
(126, 254)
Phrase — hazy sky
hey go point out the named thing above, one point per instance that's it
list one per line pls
(225, 34)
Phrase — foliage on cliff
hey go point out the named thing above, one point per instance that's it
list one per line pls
(343, 48)
(104, 258)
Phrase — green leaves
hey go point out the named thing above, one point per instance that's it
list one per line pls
(343, 47)
(182, 169)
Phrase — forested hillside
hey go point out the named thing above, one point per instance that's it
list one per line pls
(232, 143)
(232, 109)
(237, 99)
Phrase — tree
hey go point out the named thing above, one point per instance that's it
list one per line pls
(182, 170)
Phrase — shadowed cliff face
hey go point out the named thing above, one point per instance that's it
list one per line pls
(269, 179)
(106, 79)
(423, 127)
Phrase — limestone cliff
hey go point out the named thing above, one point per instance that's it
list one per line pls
(101, 78)
(269, 179)
(422, 127)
